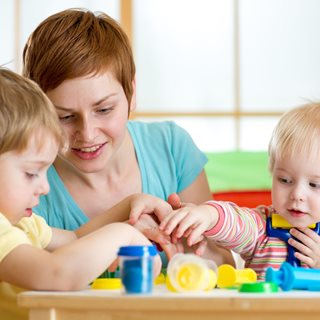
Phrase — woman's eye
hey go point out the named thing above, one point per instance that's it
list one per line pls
(105, 110)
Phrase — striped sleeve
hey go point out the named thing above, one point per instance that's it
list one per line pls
(239, 229)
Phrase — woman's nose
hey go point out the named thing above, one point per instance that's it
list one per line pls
(85, 129)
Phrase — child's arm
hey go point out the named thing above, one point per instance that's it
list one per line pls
(309, 247)
(73, 266)
(231, 226)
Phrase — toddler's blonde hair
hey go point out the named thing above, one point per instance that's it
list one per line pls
(25, 112)
(298, 131)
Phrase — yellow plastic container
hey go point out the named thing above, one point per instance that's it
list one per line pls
(190, 273)
(107, 284)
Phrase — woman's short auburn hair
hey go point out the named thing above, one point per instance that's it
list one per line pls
(75, 43)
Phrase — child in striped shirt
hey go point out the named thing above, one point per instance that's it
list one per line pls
(294, 162)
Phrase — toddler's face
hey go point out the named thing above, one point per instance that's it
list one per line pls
(296, 189)
(23, 178)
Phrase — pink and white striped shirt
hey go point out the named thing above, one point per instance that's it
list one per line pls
(243, 231)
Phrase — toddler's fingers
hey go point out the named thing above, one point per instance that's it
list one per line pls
(185, 228)
(164, 222)
(188, 232)
(174, 222)
(195, 236)
(300, 247)
(305, 259)
(310, 240)
(310, 234)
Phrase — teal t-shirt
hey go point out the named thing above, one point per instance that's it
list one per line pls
(168, 159)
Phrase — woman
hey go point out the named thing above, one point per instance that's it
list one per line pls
(84, 63)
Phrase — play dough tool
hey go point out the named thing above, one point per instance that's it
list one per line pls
(259, 287)
(278, 227)
(228, 276)
(289, 277)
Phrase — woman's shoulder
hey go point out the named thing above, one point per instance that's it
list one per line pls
(155, 125)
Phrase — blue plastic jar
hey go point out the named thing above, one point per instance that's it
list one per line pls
(136, 268)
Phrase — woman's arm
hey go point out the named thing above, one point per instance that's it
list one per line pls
(135, 204)
(198, 191)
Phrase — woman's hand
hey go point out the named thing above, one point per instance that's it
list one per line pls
(150, 228)
(146, 204)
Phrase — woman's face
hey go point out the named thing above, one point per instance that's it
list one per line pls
(93, 111)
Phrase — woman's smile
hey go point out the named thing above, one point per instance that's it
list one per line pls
(89, 153)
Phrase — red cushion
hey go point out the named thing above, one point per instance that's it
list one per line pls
(250, 199)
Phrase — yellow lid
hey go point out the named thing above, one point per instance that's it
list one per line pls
(191, 277)
(107, 284)
(226, 276)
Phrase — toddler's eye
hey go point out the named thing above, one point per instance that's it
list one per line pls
(66, 117)
(284, 180)
(31, 175)
(314, 185)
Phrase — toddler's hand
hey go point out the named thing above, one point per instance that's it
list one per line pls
(190, 221)
(309, 247)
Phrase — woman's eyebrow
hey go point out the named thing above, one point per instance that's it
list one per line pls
(94, 104)
(104, 99)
